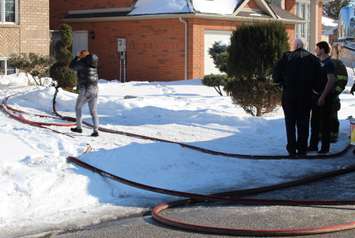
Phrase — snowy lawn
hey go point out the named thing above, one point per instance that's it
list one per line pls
(39, 191)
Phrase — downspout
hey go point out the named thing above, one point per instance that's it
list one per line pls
(186, 50)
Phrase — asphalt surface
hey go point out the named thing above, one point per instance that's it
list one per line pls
(234, 216)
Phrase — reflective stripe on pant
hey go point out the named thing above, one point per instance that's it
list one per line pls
(87, 95)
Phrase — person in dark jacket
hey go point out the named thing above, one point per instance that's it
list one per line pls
(298, 73)
(352, 92)
(85, 64)
(322, 108)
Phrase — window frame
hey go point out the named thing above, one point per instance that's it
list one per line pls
(303, 10)
(6, 66)
(3, 13)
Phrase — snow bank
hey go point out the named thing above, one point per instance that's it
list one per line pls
(14, 80)
(326, 21)
(39, 191)
(20, 80)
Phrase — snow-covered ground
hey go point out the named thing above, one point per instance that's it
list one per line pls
(39, 191)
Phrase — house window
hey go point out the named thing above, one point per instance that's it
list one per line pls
(5, 68)
(303, 10)
(8, 11)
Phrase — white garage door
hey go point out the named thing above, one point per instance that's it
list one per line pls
(80, 41)
(210, 38)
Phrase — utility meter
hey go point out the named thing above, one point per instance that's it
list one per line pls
(121, 45)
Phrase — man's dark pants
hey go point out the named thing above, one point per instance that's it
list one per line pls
(297, 116)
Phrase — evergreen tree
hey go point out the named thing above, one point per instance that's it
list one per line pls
(60, 71)
(254, 50)
(332, 8)
(219, 55)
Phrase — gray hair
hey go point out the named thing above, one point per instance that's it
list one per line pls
(299, 44)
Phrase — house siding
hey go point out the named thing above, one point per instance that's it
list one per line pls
(31, 34)
(155, 48)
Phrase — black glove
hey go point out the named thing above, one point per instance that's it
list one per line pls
(352, 89)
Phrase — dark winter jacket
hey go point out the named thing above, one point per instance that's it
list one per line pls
(298, 73)
(86, 69)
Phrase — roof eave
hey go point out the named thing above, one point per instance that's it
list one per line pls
(184, 15)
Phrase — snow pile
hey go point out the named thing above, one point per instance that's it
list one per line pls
(21, 79)
(326, 21)
(144, 7)
(39, 191)
(14, 80)
(216, 6)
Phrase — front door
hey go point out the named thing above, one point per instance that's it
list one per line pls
(80, 41)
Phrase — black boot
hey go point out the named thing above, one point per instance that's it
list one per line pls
(95, 134)
(77, 130)
(312, 148)
(324, 150)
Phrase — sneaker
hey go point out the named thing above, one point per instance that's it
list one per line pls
(77, 130)
(95, 134)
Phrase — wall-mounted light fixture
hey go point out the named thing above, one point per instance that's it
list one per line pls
(92, 35)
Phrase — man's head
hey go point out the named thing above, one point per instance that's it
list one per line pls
(298, 44)
(83, 54)
(322, 48)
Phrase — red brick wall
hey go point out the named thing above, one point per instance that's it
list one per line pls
(155, 48)
(58, 8)
(290, 6)
(290, 29)
(197, 27)
(252, 4)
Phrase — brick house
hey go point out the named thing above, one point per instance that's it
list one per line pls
(24, 28)
(169, 39)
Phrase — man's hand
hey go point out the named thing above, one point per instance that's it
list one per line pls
(321, 101)
(352, 89)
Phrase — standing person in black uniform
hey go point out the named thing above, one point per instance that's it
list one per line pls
(352, 92)
(298, 73)
(322, 108)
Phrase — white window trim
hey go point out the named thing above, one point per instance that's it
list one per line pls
(307, 24)
(5, 60)
(2, 10)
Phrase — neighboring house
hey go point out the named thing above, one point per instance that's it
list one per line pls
(329, 29)
(169, 39)
(24, 28)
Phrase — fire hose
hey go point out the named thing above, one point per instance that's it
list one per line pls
(192, 147)
(234, 197)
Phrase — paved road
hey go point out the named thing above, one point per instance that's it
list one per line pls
(340, 188)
